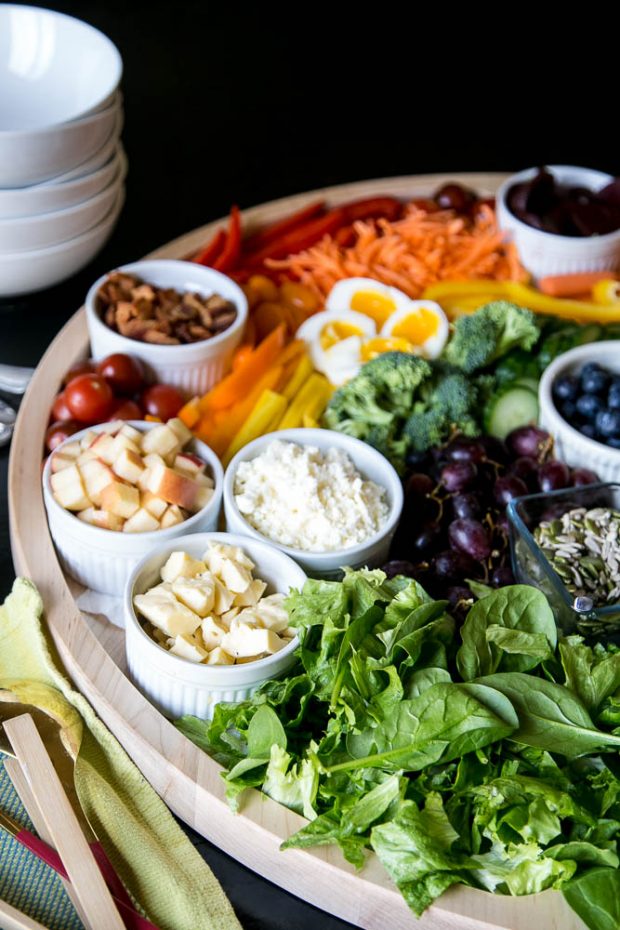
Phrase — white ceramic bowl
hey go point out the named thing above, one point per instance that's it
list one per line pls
(544, 253)
(177, 686)
(104, 559)
(93, 162)
(30, 156)
(370, 463)
(35, 269)
(53, 68)
(41, 200)
(195, 367)
(49, 229)
(570, 445)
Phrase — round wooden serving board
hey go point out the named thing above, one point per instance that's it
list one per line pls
(185, 777)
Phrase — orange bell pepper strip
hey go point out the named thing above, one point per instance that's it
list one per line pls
(237, 384)
(190, 412)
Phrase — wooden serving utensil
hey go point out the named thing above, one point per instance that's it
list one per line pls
(12, 919)
(92, 892)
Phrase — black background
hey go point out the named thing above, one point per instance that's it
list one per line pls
(244, 102)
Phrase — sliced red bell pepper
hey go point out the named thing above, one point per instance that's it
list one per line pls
(211, 251)
(229, 256)
(373, 208)
(345, 237)
(276, 230)
(301, 238)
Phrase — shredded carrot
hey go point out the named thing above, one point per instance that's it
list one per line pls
(411, 253)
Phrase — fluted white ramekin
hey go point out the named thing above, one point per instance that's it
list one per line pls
(571, 446)
(177, 686)
(194, 367)
(544, 253)
(103, 560)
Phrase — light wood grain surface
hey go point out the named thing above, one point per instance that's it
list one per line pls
(186, 778)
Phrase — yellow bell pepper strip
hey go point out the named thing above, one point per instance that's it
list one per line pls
(301, 374)
(190, 412)
(580, 310)
(316, 391)
(606, 292)
(266, 413)
(310, 422)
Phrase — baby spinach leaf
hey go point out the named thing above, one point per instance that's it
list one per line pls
(265, 731)
(422, 679)
(591, 674)
(326, 830)
(354, 636)
(294, 785)
(595, 897)
(518, 642)
(516, 607)
(550, 716)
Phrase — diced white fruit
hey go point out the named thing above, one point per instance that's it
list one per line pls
(219, 656)
(121, 499)
(160, 606)
(129, 466)
(217, 553)
(68, 489)
(182, 565)
(103, 447)
(72, 449)
(87, 440)
(161, 439)
(203, 495)
(242, 640)
(144, 479)
(251, 595)
(119, 443)
(212, 633)
(60, 461)
(101, 518)
(228, 616)
(153, 459)
(113, 427)
(203, 480)
(187, 647)
(223, 598)
(180, 430)
(131, 433)
(88, 516)
(172, 516)
(154, 505)
(86, 456)
(141, 522)
(96, 476)
(195, 593)
(189, 464)
(174, 488)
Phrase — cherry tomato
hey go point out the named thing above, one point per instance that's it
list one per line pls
(162, 400)
(124, 373)
(60, 411)
(125, 409)
(89, 398)
(84, 367)
(60, 431)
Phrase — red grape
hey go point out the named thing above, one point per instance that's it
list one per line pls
(457, 593)
(528, 440)
(582, 476)
(419, 484)
(453, 565)
(399, 567)
(553, 475)
(470, 537)
(456, 476)
(502, 575)
(466, 505)
(466, 450)
(525, 468)
(508, 487)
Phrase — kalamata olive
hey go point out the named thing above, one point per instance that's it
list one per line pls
(455, 197)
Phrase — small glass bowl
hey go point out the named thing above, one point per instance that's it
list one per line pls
(572, 614)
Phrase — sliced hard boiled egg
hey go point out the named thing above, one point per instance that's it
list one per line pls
(423, 324)
(364, 295)
(380, 344)
(334, 341)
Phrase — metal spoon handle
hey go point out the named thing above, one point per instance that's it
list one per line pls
(13, 379)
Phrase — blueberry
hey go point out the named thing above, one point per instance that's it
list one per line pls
(594, 382)
(566, 388)
(613, 398)
(568, 410)
(590, 367)
(608, 423)
(588, 405)
(587, 429)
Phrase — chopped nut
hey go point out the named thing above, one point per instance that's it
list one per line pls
(159, 338)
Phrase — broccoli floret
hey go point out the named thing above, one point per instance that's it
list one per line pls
(448, 403)
(484, 336)
(375, 403)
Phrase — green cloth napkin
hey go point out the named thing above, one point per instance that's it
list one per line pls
(157, 863)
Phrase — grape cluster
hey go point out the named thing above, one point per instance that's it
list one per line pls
(454, 526)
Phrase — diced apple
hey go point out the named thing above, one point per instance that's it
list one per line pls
(60, 461)
(119, 443)
(182, 565)
(103, 447)
(72, 449)
(86, 456)
(68, 489)
(108, 521)
(187, 647)
(154, 505)
(129, 466)
(175, 488)
(131, 433)
(162, 440)
(172, 516)
(203, 480)
(112, 427)
(96, 475)
(88, 516)
(195, 593)
(152, 458)
(87, 440)
(212, 633)
(189, 464)
(144, 479)
(218, 656)
(141, 522)
(180, 430)
(121, 499)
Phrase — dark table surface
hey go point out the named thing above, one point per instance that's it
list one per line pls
(247, 102)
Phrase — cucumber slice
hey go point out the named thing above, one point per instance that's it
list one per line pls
(515, 406)
(530, 383)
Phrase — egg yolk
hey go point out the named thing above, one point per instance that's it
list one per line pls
(417, 327)
(373, 347)
(336, 332)
(377, 306)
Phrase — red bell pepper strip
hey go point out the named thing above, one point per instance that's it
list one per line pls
(301, 238)
(276, 230)
(229, 256)
(345, 237)
(388, 208)
(212, 249)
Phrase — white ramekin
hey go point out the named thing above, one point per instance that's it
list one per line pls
(103, 559)
(544, 253)
(370, 463)
(571, 446)
(177, 686)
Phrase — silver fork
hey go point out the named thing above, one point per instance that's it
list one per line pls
(13, 380)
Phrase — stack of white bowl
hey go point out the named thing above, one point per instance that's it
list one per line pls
(62, 165)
